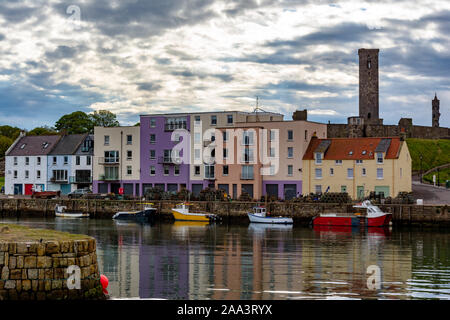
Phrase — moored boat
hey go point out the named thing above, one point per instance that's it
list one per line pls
(60, 211)
(374, 217)
(260, 215)
(147, 212)
(181, 213)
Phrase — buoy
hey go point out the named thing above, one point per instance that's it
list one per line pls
(104, 281)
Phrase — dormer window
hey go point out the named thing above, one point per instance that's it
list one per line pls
(379, 157)
(23, 146)
(318, 158)
(350, 153)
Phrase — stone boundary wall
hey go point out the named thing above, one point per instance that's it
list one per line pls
(228, 211)
(38, 270)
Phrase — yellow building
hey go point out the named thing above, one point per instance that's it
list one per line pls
(357, 166)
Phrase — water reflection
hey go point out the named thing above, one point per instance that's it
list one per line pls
(185, 260)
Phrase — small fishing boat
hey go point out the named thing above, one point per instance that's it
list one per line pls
(147, 212)
(181, 213)
(260, 215)
(60, 211)
(374, 218)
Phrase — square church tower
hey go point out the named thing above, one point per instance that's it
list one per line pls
(368, 85)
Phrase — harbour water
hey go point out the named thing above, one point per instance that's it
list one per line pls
(183, 260)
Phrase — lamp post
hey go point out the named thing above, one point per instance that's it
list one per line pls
(438, 181)
(421, 168)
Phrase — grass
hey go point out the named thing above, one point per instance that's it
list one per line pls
(25, 234)
(2, 182)
(434, 153)
(444, 175)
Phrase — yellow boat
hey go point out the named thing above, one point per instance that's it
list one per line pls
(181, 213)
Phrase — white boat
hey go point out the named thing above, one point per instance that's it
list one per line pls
(259, 215)
(148, 212)
(60, 211)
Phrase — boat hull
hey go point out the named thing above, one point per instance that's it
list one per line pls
(139, 215)
(379, 221)
(269, 220)
(72, 215)
(179, 216)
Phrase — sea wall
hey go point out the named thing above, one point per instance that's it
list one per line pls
(38, 270)
(228, 211)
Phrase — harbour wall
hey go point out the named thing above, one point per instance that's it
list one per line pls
(235, 211)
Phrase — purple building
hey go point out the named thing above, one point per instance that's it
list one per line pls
(159, 165)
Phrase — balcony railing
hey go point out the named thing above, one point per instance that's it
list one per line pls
(247, 177)
(108, 160)
(58, 180)
(104, 177)
(175, 125)
(75, 179)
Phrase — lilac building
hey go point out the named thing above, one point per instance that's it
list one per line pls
(160, 167)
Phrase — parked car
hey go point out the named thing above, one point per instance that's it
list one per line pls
(79, 193)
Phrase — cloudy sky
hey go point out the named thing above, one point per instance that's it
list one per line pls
(139, 57)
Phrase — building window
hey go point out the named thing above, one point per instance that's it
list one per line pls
(290, 152)
(15, 161)
(152, 154)
(225, 170)
(27, 161)
(318, 173)
(225, 153)
(379, 157)
(176, 170)
(197, 137)
(166, 170)
(318, 158)
(213, 120)
(27, 174)
(379, 173)
(197, 170)
(359, 161)
(247, 138)
(272, 152)
(152, 122)
(38, 174)
(197, 119)
(54, 160)
(38, 161)
(350, 173)
(318, 188)
(66, 160)
(197, 154)
(111, 156)
(88, 160)
(331, 172)
(106, 140)
(152, 170)
(225, 136)
(272, 170)
(77, 160)
(209, 172)
(152, 138)
(290, 135)
(272, 135)
(247, 173)
(129, 139)
(15, 174)
(129, 170)
(363, 172)
(230, 119)
(129, 154)
(290, 170)
(248, 155)
(338, 162)
(343, 189)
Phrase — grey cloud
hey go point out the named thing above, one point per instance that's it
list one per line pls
(148, 86)
(65, 52)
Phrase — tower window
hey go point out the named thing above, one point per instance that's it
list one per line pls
(369, 64)
(368, 115)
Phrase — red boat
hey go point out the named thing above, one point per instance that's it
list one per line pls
(374, 218)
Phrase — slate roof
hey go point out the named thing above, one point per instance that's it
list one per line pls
(354, 148)
(34, 145)
(68, 144)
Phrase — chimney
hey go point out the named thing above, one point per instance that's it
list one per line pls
(300, 115)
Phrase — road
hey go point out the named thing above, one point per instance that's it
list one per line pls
(430, 194)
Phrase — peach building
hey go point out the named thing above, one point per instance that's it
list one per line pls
(264, 157)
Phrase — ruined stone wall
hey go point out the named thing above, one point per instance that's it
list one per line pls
(38, 270)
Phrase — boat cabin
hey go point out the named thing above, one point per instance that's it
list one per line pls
(259, 211)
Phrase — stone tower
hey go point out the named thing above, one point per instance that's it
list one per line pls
(368, 85)
(435, 111)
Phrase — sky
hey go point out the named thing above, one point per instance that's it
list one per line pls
(160, 56)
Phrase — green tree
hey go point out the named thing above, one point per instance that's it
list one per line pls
(75, 123)
(41, 131)
(5, 143)
(104, 118)
(10, 132)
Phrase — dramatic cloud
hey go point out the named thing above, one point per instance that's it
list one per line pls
(139, 57)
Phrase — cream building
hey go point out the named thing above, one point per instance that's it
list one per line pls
(357, 166)
(116, 160)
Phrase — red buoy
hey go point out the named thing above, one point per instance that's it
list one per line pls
(104, 281)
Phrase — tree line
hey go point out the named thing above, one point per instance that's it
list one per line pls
(77, 122)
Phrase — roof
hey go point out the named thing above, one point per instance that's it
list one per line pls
(353, 148)
(68, 144)
(34, 145)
